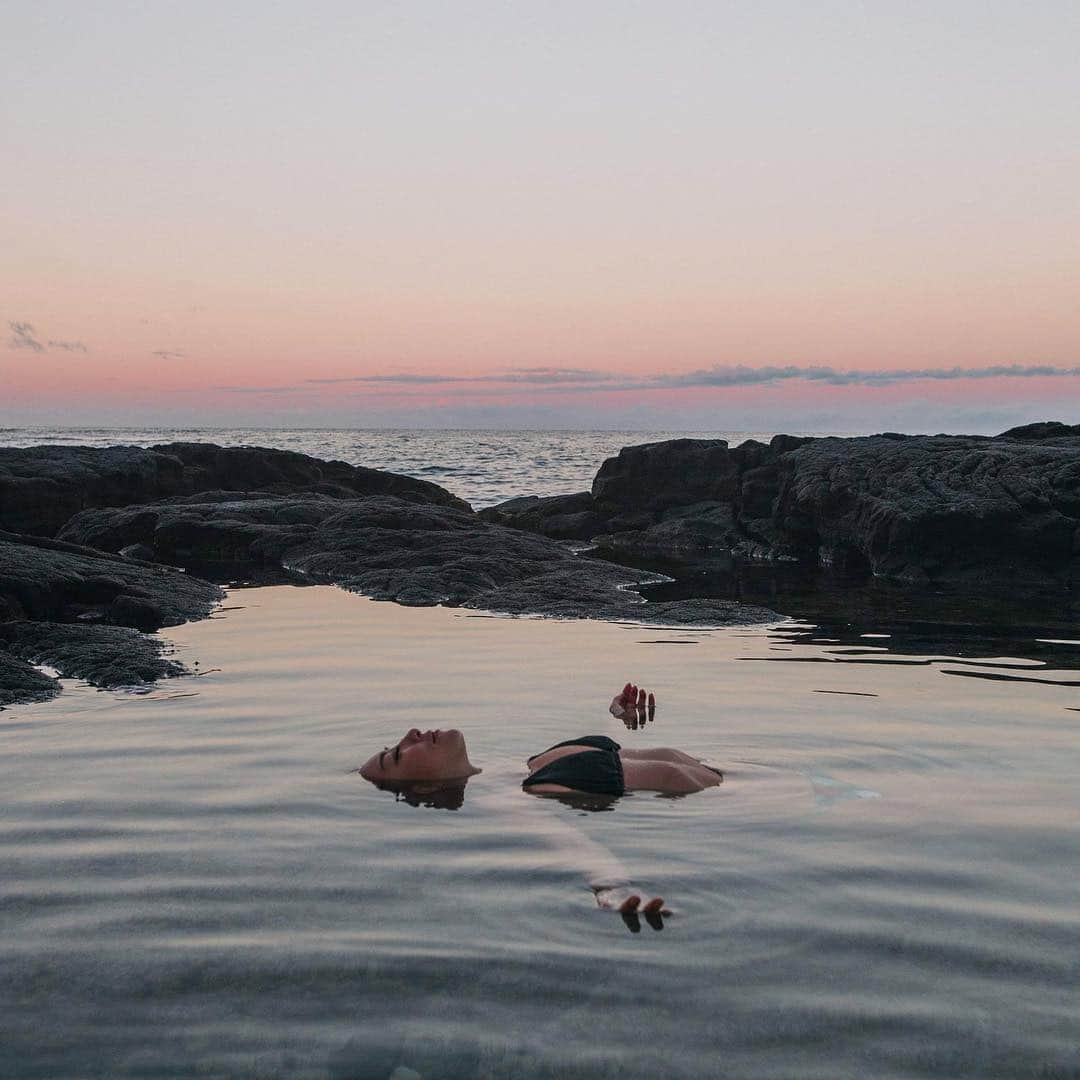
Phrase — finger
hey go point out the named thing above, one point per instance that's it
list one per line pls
(625, 692)
(654, 906)
(652, 702)
(654, 920)
(641, 699)
(630, 904)
(633, 923)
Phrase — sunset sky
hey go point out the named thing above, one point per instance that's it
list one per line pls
(832, 216)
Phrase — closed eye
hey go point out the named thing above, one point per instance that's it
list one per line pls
(397, 753)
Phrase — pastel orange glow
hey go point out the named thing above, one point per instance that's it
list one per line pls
(629, 197)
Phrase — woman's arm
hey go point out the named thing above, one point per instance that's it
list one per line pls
(604, 873)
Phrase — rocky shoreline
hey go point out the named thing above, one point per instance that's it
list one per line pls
(99, 548)
(918, 509)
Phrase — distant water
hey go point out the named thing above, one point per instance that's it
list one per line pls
(482, 467)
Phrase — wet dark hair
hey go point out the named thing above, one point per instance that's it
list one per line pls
(429, 794)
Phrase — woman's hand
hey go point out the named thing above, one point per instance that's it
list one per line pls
(629, 905)
(633, 706)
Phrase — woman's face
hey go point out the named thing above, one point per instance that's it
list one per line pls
(421, 755)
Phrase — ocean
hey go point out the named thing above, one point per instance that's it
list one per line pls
(482, 467)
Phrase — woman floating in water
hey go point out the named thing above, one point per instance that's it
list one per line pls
(425, 764)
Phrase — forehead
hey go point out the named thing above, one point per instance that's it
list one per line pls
(374, 767)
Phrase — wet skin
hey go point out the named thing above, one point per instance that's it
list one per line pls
(422, 755)
(439, 756)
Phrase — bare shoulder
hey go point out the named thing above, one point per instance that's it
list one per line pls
(670, 777)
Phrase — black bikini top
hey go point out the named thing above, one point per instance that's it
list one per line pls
(597, 770)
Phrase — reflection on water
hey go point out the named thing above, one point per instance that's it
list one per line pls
(884, 884)
(921, 619)
(431, 795)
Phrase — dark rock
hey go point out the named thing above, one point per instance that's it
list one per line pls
(389, 549)
(960, 509)
(105, 656)
(675, 473)
(685, 536)
(1045, 429)
(781, 444)
(21, 682)
(139, 552)
(914, 508)
(562, 517)
(56, 581)
(42, 486)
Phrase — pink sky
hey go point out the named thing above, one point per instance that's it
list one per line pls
(202, 202)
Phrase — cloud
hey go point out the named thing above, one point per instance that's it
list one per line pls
(748, 376)
(591, 380)
(584, 381)
(23, 337)
(532, 376)
(410, 380)
(168, 354)
(552, 376)
(260, 389)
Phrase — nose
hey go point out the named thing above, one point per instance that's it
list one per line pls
(413, 734)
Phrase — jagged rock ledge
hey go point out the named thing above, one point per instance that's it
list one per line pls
(1001, 511)
(41, 487)
(80, 611)
(388, 549)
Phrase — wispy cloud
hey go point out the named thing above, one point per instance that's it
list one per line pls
(24, 337)
(532, 376)
(591, 380)
(583, 381)
(741, 375)
(405, 379)
(553, 375)
(168, 354)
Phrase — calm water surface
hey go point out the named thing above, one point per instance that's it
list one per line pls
(195, 883)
